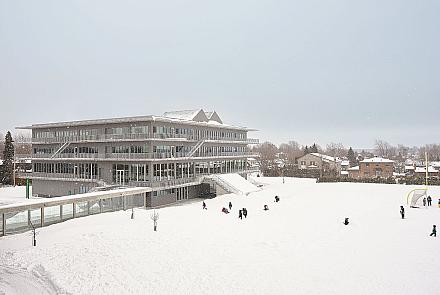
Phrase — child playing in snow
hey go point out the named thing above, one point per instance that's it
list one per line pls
(434, 231)
(402, 212)
(204, 206)
(346, 221)
(266, 208)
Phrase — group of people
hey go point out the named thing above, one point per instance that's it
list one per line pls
(429, 201)
(242, 212)
(434, 227)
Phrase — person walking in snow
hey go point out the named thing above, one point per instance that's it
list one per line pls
(240, 214)
(204, 206)
(266, 208)
(424, 202)
(245, 212)
(434, 231)
(346, 221)
(402, 212)
(429, 201)
(230, 206)
(277, 199)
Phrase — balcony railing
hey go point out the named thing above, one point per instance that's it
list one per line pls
(138, 136)
(141, 156)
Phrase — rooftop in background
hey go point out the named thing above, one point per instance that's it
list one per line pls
(377, 160)
(326, 158)
(192, 117)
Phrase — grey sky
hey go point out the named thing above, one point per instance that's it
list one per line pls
(343, 71)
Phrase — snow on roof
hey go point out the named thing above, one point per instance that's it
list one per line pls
(377, 160)
(184, 115)
(435, 164)
(423, 170)
(198, 117)
(344, 172)
(312, 166)
(345, 163)
(355, 168)
(409, 167)
(326, 158)
(1, 162)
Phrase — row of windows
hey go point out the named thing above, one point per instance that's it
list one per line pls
(84, 170)
(134, 149)
(143, 129)
(164, 192)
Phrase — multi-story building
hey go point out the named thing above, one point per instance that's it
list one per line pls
(170, 153)
(376, 167)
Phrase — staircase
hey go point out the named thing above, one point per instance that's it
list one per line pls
(60, 150)
(233, 183)
(195, 148)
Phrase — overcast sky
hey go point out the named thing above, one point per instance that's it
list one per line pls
(312, 71)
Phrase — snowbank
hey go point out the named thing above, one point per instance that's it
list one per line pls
(238, 183)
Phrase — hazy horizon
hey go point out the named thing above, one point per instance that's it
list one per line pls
(313, 71)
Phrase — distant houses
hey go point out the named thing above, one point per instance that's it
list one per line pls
(320, 162)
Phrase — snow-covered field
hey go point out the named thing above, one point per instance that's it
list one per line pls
(10, 194)
(299, 246)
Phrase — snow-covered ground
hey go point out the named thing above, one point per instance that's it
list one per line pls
(10, 194)
(299, 246)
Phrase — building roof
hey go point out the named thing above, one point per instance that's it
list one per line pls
(344, 172)
(435, 164)
(191, 117)
(377, 160)
(423, 170)
(326, 158)
(355, 168)
(409, 167)
(345, 163)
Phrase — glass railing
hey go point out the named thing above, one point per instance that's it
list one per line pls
(138, 136)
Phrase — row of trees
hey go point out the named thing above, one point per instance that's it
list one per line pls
(291, 151)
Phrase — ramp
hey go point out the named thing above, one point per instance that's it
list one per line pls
(235, 183)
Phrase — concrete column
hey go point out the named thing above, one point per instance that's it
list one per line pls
(73, 210)
(4, 224)
(29, 217)
(100, 206)
(42, 216)
(61, 212)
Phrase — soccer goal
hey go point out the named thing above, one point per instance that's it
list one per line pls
(415, 195)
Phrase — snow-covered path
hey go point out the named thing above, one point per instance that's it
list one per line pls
(299, 246)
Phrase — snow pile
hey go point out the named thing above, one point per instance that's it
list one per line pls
(299, 246)
(238, 183)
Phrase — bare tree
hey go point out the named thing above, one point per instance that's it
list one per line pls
(292, 150)
(384, 149)
(23, 143)
(336, 150)
(268, 153)
(155, 217)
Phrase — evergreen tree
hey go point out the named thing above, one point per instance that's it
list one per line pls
(314, 148)
(8, 160)
(306, 150)
(351, 157)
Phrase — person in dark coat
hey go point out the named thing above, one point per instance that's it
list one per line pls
(230, 206)
(402, 212)
(204, 206)
(240, 214)
(434, 231)
(424, 201)
(245, 212)
(346, 221)
(224, 210)
(266, 208)
(277, 199)
(429, 201)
